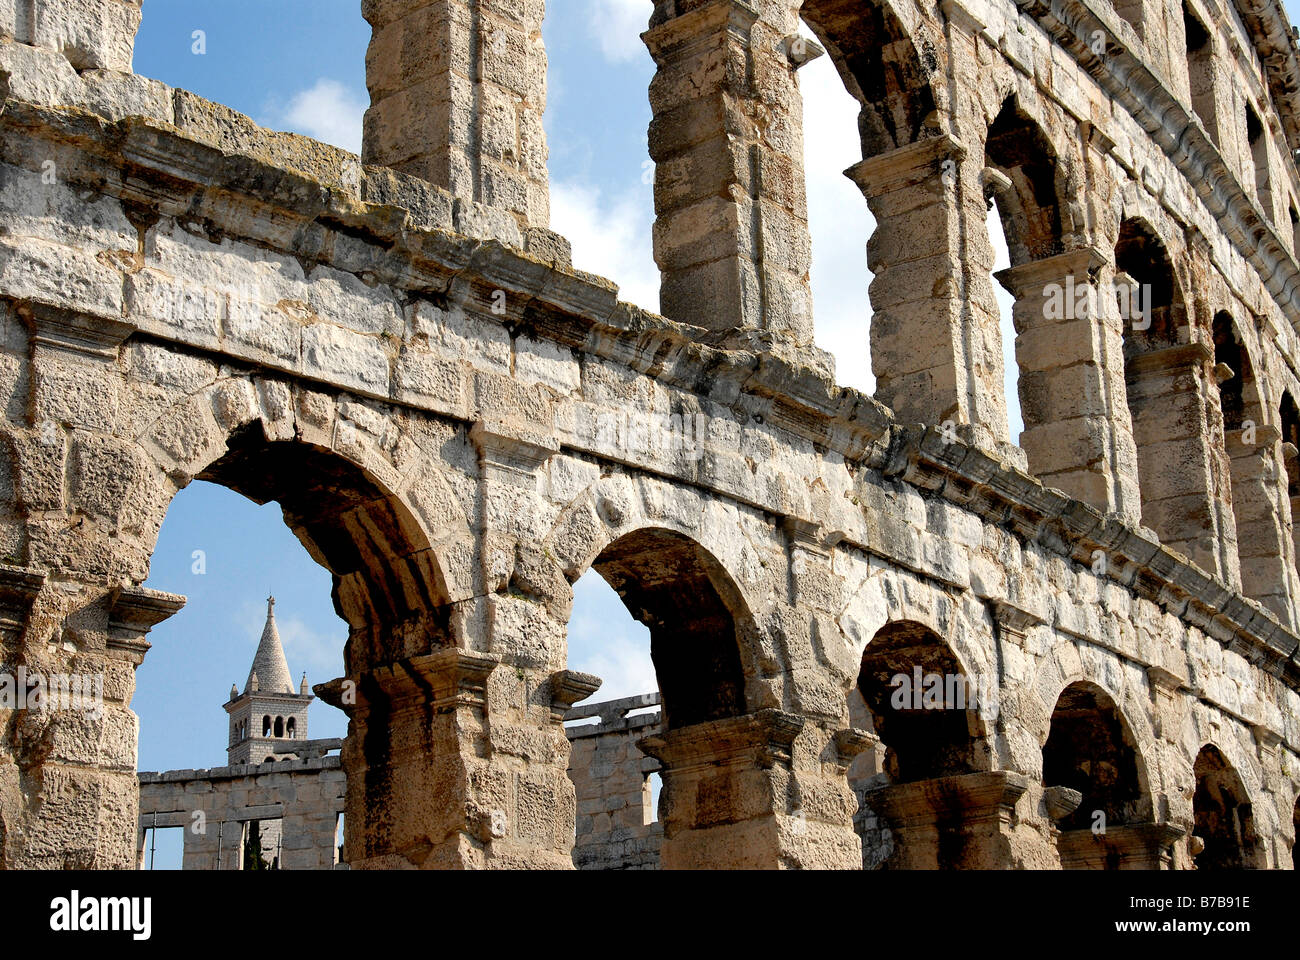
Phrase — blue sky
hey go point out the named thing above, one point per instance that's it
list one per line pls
(299, 65)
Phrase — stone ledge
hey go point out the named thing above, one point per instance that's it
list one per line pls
(312, 766)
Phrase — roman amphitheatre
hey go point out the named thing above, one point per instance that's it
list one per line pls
(458, 422)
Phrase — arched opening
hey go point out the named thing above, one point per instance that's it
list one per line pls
(1200, 71)
(1232, 370)
(1225, 825)
(1026, 200)
(1289, 423)
(1151, 301)
(1257, 137)
(1094, 787)
(880, 67)
(1089, 749)
(697, 623)
(1180, 474)
(1020, 186)
(1264, 551)
(290, 728)
(694, 614)
(379, 574)
(921, 705)
(921, 797)
(612, 829)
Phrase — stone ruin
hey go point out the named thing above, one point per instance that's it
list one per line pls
(458, 423)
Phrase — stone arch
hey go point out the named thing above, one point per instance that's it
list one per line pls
(352, 485)
(929, 729)
(279, 728)
(1182, 480)
(1091, 748)
(892, 596)
(1028, 200)
(1289, 424)
(696, 617)
(616, 506)
(1264, 551)
(1223, 815)
(1142, 255)
(1063, 668)
(1239, 397)
(328, 462)
(887, 64)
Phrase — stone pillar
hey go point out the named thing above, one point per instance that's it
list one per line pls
(739, 794)
(1070, 351)
(413, 730)
(731, 234)
(310, 821)
(1180, 473)
(1128, 846)
(1265, 549)
(92, 34)
(446, 768)
(68, 792)
(933, 359)
(457, 93)
(219, 846)
(965, 822)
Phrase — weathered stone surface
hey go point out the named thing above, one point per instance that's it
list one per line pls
(459, 424)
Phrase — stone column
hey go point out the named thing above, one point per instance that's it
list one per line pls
(1265, 550)
(446, 768)
(68, 792)
(930, 351)
(1181, 475)
(1128, 846)
(1070, 352)
(741, 793)
(457, 93)
(965, 822)
(414, 729)
(731, 234)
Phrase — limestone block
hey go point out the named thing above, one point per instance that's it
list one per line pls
(92, 34)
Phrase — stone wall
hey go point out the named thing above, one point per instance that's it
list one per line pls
(617, 826)
(297, 804)
(461, 425)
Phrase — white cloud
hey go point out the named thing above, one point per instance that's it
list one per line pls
(617, 25)
(326, 111)
(611, 236)
(320, 655)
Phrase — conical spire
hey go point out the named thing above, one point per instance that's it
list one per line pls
(269, 666)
